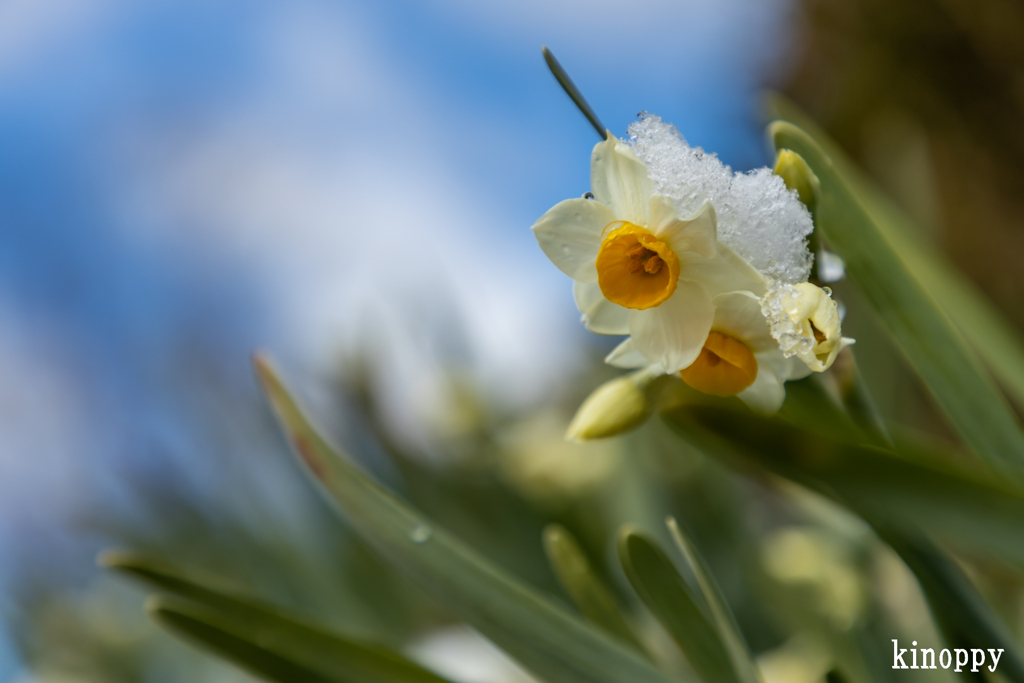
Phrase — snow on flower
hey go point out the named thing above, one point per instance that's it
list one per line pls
(759, 218)
(804, 320)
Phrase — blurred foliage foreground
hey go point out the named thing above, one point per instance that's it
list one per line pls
(726, 547)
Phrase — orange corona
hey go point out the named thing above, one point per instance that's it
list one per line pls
(725, 367)
(634, 268)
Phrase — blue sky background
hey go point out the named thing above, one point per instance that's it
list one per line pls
(183, 182)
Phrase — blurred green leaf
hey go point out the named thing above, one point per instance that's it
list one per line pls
(966, 507)
(933, 347)
(676, 606)
(207, 630)
(243, 625)
(809, 404)
(997, 341)
(546, 639)
(593, 599)
(857, 399)
(960, 612)
(721, 615)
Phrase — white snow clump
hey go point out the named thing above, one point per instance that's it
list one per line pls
(758, 216)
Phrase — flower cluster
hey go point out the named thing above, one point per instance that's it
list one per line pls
(704, 271)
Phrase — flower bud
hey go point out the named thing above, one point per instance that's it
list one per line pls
(804, 320)
(798, 176)
(617, 406)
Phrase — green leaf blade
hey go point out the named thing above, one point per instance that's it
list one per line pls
(594, 600)
(562, 76)
(676, 607)
(545, 638)
(966, 507)
(216, 635)
(230, 621)
(932, 345)
(997, 341)
(721, 615)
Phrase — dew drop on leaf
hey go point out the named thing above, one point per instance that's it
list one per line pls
(420, 534)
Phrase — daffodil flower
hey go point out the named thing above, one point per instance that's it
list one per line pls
(804, 320)
(639, 267)
(740, 357)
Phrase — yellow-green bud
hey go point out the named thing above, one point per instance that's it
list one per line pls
(798, 176)
(616, 406)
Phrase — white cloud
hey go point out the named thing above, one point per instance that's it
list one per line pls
(357, 220)
(31, 28)
(44, 419)
(336, 181)
(632, 34)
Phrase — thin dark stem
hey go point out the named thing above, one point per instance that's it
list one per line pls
(572, 91)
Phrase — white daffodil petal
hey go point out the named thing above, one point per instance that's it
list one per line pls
(738, 314)
(785, 368)
(766, 394)
(697, 232)
(797, 370)
(600, 316)
(619, 180)
(674, 333)
(726, 272)
(626, 356)
(570, 235)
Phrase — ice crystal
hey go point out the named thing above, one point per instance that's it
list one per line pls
(758, 216)
(777, 307)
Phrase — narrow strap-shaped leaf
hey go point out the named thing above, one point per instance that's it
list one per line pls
(573, 92)
(966, 507)
(542, 636)
(722, 616)
(590, 595)
(858, 401)
(809, 403)
(304, 644)
(961, 613)
(675, 605)
(166, 579)
(933, 347)
(208, 630)
(997, 341)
